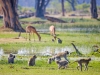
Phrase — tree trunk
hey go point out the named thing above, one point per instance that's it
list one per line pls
(93, 9)
(73, 5)
(62, 3)
(40, 8)
(10, 16)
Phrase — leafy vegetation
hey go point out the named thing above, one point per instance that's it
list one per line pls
(25, 9)
(52, 9)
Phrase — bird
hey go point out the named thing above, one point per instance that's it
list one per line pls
(59, 40)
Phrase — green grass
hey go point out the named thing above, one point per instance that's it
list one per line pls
(85, 23)
(20, 67)
(80, 39)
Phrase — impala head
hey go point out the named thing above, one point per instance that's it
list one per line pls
(39, 38)
(54, 36)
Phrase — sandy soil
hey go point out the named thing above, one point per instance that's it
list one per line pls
(11, 40)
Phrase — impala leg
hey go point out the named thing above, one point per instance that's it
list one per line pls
(26, 36)
(29, 37)
(34, 36)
